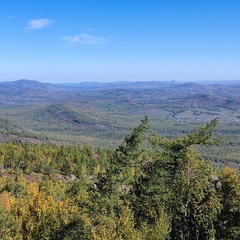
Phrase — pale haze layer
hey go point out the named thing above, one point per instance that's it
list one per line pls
(119, 40)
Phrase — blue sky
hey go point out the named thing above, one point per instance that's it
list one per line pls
(119, 40)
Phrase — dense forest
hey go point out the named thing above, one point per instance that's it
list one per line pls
(149, 188)
(102, 114)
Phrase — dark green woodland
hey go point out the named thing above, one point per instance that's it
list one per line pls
(149, 187)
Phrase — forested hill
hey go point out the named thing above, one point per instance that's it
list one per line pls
(162, 191)
(219, 94)
(101, 114)
(221, 87)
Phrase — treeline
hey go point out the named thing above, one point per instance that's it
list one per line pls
(149, 188)
(52, 158)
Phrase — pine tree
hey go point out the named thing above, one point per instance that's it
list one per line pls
(228, 222)
(177, 180)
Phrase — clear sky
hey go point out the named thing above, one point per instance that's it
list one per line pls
(119, 40)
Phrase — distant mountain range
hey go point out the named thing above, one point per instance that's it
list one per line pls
(90, 86)
(225, 93)
(83, 86)
(93, 111)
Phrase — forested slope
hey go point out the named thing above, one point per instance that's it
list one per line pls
(102, 114)
(150, 187)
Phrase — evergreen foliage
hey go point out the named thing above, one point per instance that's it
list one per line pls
(149, 188)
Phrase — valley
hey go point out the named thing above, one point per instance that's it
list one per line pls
(102, 114)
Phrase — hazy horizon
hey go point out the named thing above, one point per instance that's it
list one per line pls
(135, 81)
(108, 41)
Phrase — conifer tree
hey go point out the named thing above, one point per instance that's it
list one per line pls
(228, 222)
(177, 180)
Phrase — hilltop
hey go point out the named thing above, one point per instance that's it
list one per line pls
(101, 114)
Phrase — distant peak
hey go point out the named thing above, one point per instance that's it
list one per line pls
(27, 80)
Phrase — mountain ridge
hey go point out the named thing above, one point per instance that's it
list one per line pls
(32, 90)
